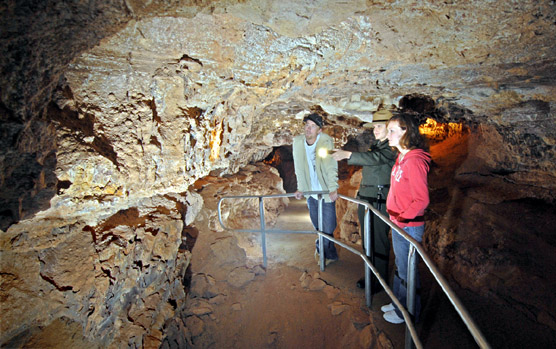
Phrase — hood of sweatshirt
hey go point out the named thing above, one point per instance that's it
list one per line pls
(419, 154)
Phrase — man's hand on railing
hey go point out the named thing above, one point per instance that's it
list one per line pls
(298, 195)
(333, 195)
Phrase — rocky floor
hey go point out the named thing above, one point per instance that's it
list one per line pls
(234, 302)
(292, 303)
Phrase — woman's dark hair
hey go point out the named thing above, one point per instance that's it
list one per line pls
(411, 139)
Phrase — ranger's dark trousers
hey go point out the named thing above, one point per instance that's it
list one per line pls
(379, 238)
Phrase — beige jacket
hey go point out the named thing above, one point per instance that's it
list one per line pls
(326, 168)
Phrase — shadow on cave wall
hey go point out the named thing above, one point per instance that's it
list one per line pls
(28, 162)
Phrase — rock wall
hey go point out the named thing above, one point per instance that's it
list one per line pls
(117, 274)
(224, 261)
(159, 95)
(120, 275)
(108, 109)
(244, 214)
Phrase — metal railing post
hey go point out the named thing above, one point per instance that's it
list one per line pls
(321, 239)
(368, 253)
(263, 234)
(415, 251)
(411, 291)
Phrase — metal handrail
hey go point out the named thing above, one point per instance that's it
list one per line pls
(414, 246)
(287, 195)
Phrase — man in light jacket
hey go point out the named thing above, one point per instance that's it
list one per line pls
(316, 170)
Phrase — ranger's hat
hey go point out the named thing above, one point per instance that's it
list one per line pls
(379, 117)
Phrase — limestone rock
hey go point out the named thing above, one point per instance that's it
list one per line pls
(60, 263)
(306, 281)
(218, 299)
(259, 270)
(203, 286)
(256, 179)
(119, 263)
(113, 113)
(195, 325)
(239, 277)
(348, 222)
(384, 341)
(337, 308)
(331, 291)
(366, 339)
(228, 251)
(198, 306)
(317, 285)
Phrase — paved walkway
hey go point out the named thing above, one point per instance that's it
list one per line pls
(297, 250)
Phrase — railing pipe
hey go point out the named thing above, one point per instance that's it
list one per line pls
(454, 299)
(368, 253)
(409, 323)
(411, 288)
(287, 195)
(321, 240)
(263, 226)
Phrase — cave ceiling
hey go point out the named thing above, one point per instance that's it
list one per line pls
(141, 97)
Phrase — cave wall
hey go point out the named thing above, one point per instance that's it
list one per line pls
(230, 76)
(119, 276)
(109, 107)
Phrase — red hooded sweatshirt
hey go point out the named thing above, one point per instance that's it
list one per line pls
(409, 194)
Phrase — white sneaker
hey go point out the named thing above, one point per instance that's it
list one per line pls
(392, 317)
(388, 307)
(326, 261)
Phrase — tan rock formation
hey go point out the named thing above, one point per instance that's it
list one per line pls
(118, 276)
(111, 113)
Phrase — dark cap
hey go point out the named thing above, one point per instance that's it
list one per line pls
(316, 118)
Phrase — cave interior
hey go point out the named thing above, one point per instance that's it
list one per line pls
(123, 122)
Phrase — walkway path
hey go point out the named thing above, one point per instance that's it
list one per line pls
(297, 251)
(440, 326)
(234, 303)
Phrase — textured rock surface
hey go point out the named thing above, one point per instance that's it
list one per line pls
(110, 108)
(118, 275)
(158, 101)
(255, 179)
(233, 301)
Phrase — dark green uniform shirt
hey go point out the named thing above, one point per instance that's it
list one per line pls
(377, 165)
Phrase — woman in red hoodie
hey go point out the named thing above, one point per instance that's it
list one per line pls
(407, 200)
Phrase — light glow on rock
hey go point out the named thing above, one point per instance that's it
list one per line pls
(438, 131)
(215, 139)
